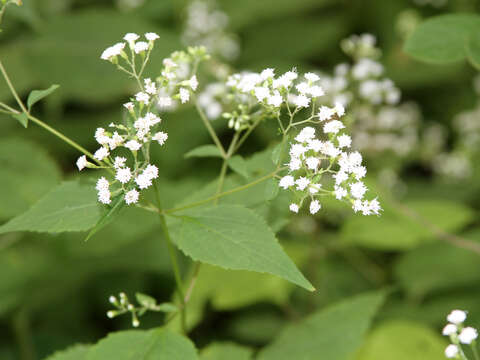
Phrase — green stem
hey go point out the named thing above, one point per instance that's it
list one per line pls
(21, 327)
(210, 129)
(12, 89)
(475, 351)
(173, 258)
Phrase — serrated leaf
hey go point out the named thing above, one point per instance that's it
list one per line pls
(234, 237)
(239, 165)
(401, 340)
(442, 39)
(108, 216)
(334, 333)
(204, 151)
(77, 352)
(22, 119)
(226, 350)
(37, 95)
(157, 344)
(68, 207)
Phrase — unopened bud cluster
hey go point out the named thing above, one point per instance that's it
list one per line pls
(459, 334)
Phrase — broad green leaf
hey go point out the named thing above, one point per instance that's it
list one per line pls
(234, 237)
(109, 214)
(204, 151)
(401, 340)
(334, 333)
(77, 352)
(69, 207)
(22, 119)
(239, 165)
(442, 39)
(27, 174)
(37, 95)
(473, 49)
(271, 189)
(157, 344)
(226, 350)
(397, 231)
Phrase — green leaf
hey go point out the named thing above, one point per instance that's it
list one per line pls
(22, 119)
(473, 50)
(145, 300)
(401, 340)
(157, 344)
(442, 39)
(226, 350)
(27, 174)
(167, 307)
(108, 216)
(334, 333)
(239, 165)
(204, 151)
(271, 189)
(77, 352)
(69, 207)
(234, 237)
(37, 95)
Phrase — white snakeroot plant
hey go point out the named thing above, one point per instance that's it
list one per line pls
(459, 335)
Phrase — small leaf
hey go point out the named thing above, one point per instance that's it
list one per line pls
(239, 165)
(271, 189)
(204, 151)
(226, 350)
(234, 237)
(37, 95)
(69, 207)
(334, 333)
(108, 216)
(167, 307)
(145, 300)
(22, 119)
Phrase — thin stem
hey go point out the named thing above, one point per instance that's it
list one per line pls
(210, 129)
(12, 89)
(247, 133)
(193, 281)
(173, 258)
(21, 327)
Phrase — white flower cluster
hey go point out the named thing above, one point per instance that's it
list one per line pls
(458, 334)
(140, 128)
(207, 26)
(314, 161)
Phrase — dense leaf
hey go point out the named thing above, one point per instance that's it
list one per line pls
(334, 333)
(157, 344)
(400, 340)
(37, 95)
(69, 207)
(222, 351)
(204, 151)
(234, 237)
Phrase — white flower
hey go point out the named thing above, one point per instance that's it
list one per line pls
(101, 137)
(316, 91)
(82, 162)
(104, 196)
(115, 140)
(129, 106)
(151, 171)
(131, 37)
(133, 145)
(294, 208)
(312, 77)
(184, 95)
(102, 184)
(150, 36)
(340, 192)
(339, 109)
(307, 133)
(325, 113)
(314, 188)
(302, 183)
(340, 177)
(357, 205)
(315, 145)
(123, 175)
(143, 181)
(297, 150)
(333, 127)
(371, 207)
(150, 87)
(312, 162)
(359, 172)
(131, 197)
(358, 189)
(193, 82)
(140, 47)
(119, 162)
(344, 141)
(286, 182)
(301, 101)
(267, 73)
(449, 329)
(275, 99)
(457, 316)
(261, 93)
(164, 102)
(467, 335)
(303, 88)
(101, 153)
(314, 207)
(142, 97)
(112, 51)
(294, 164)
(161, 137)
(451, 351)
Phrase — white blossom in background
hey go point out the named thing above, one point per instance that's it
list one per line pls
(459, 335)
(134, 173)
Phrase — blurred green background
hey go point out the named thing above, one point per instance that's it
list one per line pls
(54, 289)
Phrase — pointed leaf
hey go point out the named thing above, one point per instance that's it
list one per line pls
(108, 216)
(22, 119)
(37, 95)
(234, 237)
(145, 300)
(204, 151)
